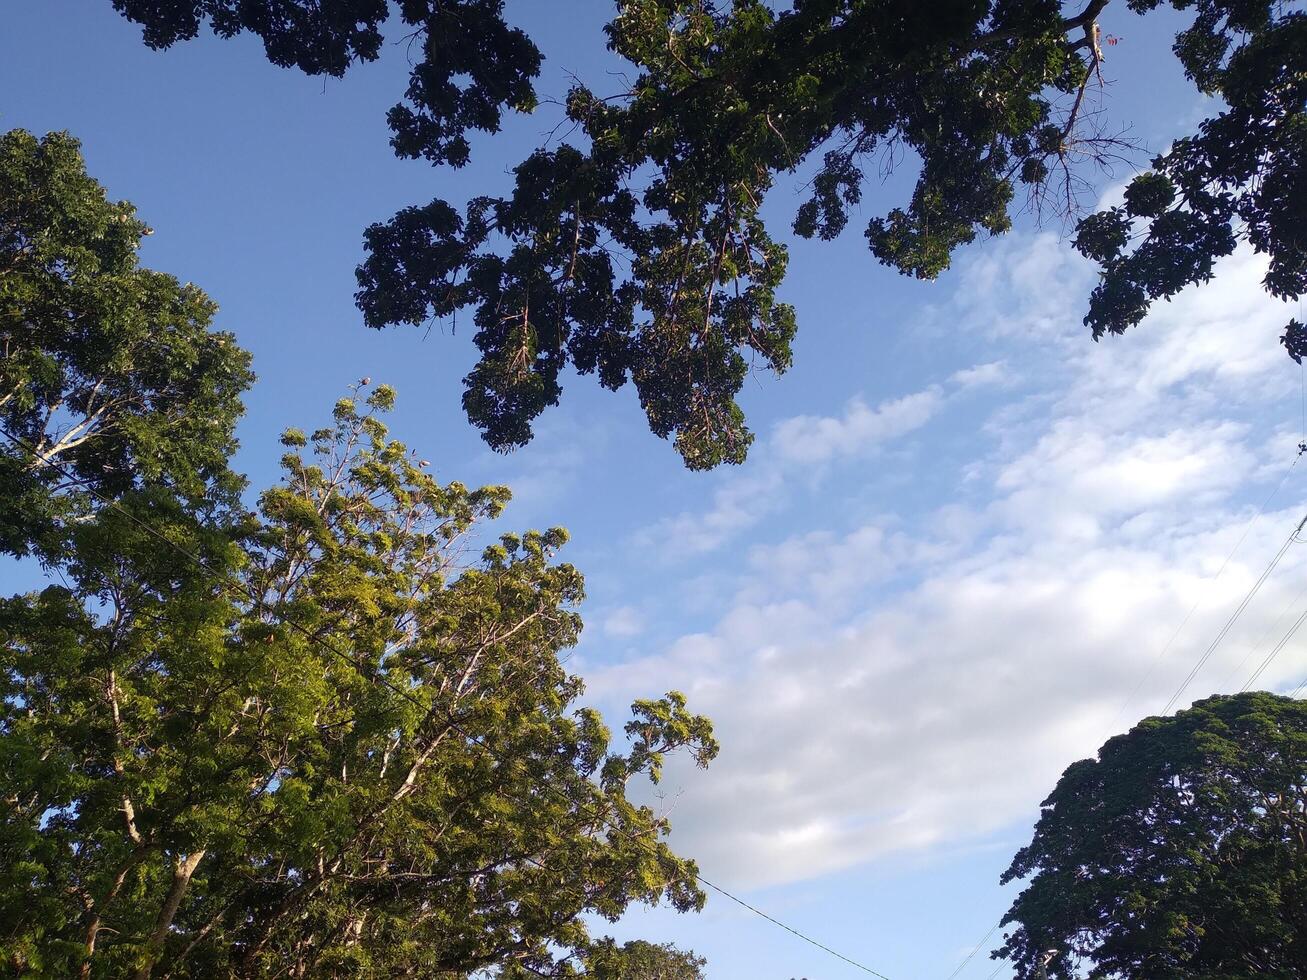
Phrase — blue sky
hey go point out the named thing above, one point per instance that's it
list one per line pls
(963, 536)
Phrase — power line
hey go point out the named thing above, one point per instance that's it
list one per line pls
(777, 922)
(1197, 602)
(1274, 652)
(226, 580)
(1266, 635)
(975, 949)
(1229, 623)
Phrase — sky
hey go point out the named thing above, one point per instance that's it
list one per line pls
(968, 545)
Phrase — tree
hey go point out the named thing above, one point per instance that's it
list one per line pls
(110, 376)
(640, 960)
(1180, 852)
(640, 254)
(349, 749)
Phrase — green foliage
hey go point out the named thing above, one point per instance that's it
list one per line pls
(640, 254)
(639, 960)
(107, 369)
(324, 736)
(1180, 852)
(674, 178)
(363, 758)
(1241, 177)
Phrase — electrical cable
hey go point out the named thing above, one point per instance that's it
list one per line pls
(1293, 603)
(1275, 651)
(1152, 667)
(1234, 616)
(974, 950)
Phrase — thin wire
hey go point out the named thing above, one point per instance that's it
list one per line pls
(1266, 635)
(807, 939)
(224, 579)
(1197, 602)
(1229, 623)
(1274, 652)
(975, 949)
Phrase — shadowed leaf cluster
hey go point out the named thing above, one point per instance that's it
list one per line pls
(638, 252)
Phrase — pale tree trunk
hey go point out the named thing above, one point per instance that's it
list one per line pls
(183, 868)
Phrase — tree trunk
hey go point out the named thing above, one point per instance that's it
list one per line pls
(93, 926)
(183, 868)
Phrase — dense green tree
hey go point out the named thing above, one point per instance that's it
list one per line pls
(346, 746)
(640, 253)
(1180, 852)
(110, 375)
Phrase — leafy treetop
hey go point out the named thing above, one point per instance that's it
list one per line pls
(110, 375)
(358, 755)
(324, 736)
(641, 960)
(1179, 853)
(472, 64)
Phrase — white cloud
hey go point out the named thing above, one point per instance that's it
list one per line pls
(993, 374)
(1076, 477)
(623, 622)
(1030, 288)
(562, 448)
(916, 682)
(809, 440)
(796, 449)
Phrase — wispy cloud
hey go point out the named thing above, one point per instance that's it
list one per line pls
(812, 440)
(623, 622)
(992, 374)
(798, 450)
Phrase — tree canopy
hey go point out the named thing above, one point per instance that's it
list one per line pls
(321, 737)
(364, 760)
(638, 252)
(110, 373)
(1180, 852)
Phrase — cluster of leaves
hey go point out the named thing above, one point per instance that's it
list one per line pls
(110, 376)
(640, 960)
(1241, 177)
(1180, 852)
(644, 256)
(325, 737)
(472, 63)
(641, 255)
